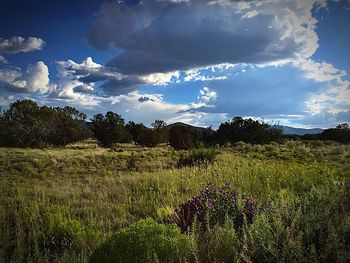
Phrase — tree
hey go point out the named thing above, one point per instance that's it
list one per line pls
(340, 134)
(183, 137)
(25, 124)
(247, 130)
(145, 136)
(343, 126)
(109, 129)
(161, 134)
(20, 126)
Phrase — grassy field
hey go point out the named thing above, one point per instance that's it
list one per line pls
(59, 204)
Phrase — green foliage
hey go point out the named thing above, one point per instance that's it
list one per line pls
(146, 136)
(183, 137)
(109, 129)
(81, 194)
(197, 157)
(247, 130)
(131, 162)
(145, 241)
(25, 124)
(340, 134)
(59, 233)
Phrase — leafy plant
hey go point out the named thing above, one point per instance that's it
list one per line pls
(145, 241)
(131, 162)
(197, 157)
(213, 205)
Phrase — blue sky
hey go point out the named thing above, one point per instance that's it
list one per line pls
(197, 61)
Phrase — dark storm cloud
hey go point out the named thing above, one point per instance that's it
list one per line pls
(163, 36)
(145, 99)
(121, 86)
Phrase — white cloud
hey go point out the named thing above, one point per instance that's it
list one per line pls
(37, 78)
(200, 119)
(250, 14)
(206, 97)
(68, 86)
(320, 71)
(201, 74)
(160, 79)
(9, 76)
(34, 80)
(133, 108)
(19, 44)
(334, 100)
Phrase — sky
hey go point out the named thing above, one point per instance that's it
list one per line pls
(200, 62)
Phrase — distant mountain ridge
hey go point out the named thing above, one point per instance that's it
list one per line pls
(168, 127)
(287, 130)
(300, 131)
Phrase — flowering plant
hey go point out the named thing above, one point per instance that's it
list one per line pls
(213, 205)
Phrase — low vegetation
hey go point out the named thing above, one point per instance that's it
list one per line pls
(197, 157)
(145, 241)
(66, 204)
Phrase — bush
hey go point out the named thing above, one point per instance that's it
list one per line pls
(197, 157)
(60, 233)
(131, 162)
(145, 241)
(213, 206)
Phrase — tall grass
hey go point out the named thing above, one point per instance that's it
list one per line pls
(58, 205)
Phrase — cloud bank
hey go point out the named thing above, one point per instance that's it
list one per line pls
(163, 36)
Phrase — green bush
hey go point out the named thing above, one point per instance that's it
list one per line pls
(60, 233)
(131, 162)
(197, 157)
(145, 241)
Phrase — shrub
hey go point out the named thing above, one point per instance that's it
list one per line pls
(60, 233)
(131, 162)
(197, 157)
(214, 206)
(222, 244)
(145, 241)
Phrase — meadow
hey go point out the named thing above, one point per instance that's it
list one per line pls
(60, 204)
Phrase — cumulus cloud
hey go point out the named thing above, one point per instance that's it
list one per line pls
(19, 44)
(34, 80)
(206, 99)
(9, 75)
(88, 72)
(333, 100)
(155, 36)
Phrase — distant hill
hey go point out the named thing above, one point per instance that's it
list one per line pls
(299, 131)
(168, 127)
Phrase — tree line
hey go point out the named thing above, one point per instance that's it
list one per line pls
(26, 124)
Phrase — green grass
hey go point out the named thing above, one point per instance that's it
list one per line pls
(60, 204)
